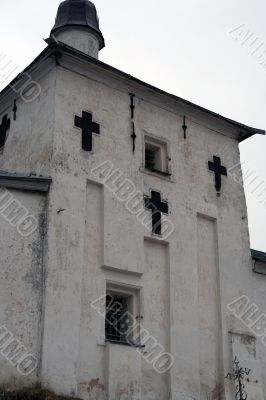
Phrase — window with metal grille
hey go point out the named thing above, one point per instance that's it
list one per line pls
(116, 319)
(149, 159)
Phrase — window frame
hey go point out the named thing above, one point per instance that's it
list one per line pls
(163, 159)
(133, 294)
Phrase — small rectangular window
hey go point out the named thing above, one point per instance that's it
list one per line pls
(156, 157)
(152, 157)
(121, 326)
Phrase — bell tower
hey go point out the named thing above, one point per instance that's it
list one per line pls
(77, 25)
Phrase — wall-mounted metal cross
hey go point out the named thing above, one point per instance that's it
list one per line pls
(238, 375)
(5, 125)
(88, 127)
(157, 206)
(218, 170)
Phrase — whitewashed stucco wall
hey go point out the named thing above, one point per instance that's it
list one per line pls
(93, 240)
(118, 241)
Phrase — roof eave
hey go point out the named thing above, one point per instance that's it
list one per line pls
(47, 52)
(258, 255)
(245, 131)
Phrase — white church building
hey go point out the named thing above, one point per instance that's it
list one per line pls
(126, 270)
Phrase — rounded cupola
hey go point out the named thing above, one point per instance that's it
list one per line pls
(77, 25)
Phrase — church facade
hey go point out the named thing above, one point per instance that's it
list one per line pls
(126, 270)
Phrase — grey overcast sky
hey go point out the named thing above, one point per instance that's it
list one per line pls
(183, 47)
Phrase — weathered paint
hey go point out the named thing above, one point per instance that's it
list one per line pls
(92, 240)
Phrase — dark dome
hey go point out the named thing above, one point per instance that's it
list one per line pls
(78, 13)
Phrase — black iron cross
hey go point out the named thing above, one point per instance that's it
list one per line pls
(5, 125)
(88, 128)
(218, 170)
(157, 207)
(238, 375)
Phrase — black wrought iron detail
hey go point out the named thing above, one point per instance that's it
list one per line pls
(132, 115)
(157, 207)
(149, 159)
(218, 170)
(184, 127)
(238, 375)
(4, 127)
(134, 137)
(116, 319)
(15, 108)
(132, 105)
(88, 127)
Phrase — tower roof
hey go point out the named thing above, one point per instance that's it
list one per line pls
(79, 13)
